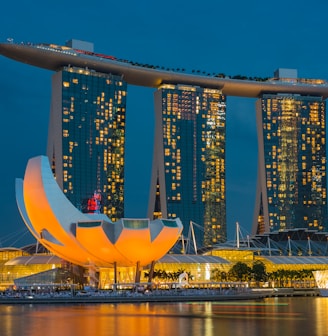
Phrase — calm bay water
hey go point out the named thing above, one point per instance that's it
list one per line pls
(274, 316)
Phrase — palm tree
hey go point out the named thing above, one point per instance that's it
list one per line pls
(259, 272)
(240, 271)
(218, 275)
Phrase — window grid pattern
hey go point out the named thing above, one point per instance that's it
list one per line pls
(194, 121)
(295, 161)
(93, 126)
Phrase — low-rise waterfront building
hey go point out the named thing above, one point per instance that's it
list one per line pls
(23, 267)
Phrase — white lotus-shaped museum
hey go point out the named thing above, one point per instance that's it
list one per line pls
(87, 239)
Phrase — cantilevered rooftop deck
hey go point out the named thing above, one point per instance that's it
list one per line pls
(53, 57)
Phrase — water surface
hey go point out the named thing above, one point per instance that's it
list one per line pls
(272, 316)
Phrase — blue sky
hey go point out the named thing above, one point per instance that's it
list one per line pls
(251, 38)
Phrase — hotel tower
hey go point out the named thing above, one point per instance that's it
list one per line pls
(292, 187)
(87, 137)
(188, 176)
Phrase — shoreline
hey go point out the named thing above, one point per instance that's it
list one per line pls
(132, 299)
(154, 298)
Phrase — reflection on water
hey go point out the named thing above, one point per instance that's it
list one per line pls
(274, 316)
(320, 308)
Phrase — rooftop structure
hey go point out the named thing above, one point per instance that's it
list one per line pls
(54, 57)
(291, 243)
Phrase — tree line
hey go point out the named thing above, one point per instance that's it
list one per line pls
(256, 274)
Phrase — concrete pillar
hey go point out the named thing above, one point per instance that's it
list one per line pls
(115, 276)
(138, 273)
(151, 271)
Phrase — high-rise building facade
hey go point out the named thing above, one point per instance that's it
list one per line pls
(188, 177)
(87, 138)
(292, 184)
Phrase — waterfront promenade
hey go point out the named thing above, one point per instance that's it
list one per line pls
(159, 296)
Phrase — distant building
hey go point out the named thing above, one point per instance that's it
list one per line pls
(188, 177)
(86, 141)
(292, 185)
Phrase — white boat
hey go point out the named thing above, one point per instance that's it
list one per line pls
(321, 279)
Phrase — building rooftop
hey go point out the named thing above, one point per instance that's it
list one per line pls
(54, 57)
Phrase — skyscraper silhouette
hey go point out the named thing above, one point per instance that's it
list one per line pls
(188, 179)
(292, 187)
(86, 141)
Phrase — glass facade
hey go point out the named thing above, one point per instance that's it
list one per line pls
(12, 268)
(89, 161)
(191, 174)
(292, 171)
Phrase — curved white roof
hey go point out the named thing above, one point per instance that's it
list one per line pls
(87, 239)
